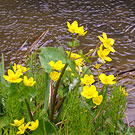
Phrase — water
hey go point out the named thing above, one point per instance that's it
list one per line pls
(23, 19)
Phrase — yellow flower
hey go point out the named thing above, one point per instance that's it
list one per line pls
(20, 67)
(78, 59)
(54, 76)
(22, 128)
(97, 66)
(72, 27)
(107, 79)
(18, 122)
(88, 80)
(79, 62)
(103, 54)
(56, 66)
(107, 42)
(89, 92)
(73, 55)
(81, 31)
(123, 91)
(34, 125)
(13, 77)
(97, 100)
(28, 82)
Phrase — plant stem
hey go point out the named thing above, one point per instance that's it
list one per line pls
(55, 92)
(29, 110)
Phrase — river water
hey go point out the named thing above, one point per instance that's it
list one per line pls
(23, 19)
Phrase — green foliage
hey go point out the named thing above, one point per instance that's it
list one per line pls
(75, 43)
(76, 115)
(50, 53)
(82, 118)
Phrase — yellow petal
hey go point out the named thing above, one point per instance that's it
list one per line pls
(104, 35)
(108, 59)
(10, 72)
(111, 41)
(68, 24)
(102, 76)
(101, 39)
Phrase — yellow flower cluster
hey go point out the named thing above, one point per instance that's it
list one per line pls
(73, 28)
(16, 75)
(56, 66)
(89, 90)
(107, 43)
(22, 127)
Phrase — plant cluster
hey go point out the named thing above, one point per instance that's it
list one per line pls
(66, 97)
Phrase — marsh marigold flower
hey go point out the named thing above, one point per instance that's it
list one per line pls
(18, 122)
(20, 67)
(72, 27)
(28, 82)
(81, 31)
(54, 76)
(22, 128)
(107, 79)
(103, 54)
(78, 59)
(56, 66)
(107, 42)
(34, 125)
(97, 100)
(13, 77)
(89, 92)
(87, 80)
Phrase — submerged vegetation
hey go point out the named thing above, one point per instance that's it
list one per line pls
(56, 92)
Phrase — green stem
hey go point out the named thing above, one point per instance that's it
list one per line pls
(72, 46)
(55, 92)
(58, 83)
(29, 110)
(98, 78)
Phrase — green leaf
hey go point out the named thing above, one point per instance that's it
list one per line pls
(4, 121)
(11, 67)
(26, 92)
(43, 115)
(47, 91)
(63, 91)
(51, 128)
(69, 44)
(2, 70)
(0, 131)
(72, 66)
(13, 91)
(50, 53)
(74, 44)
(84, 57)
